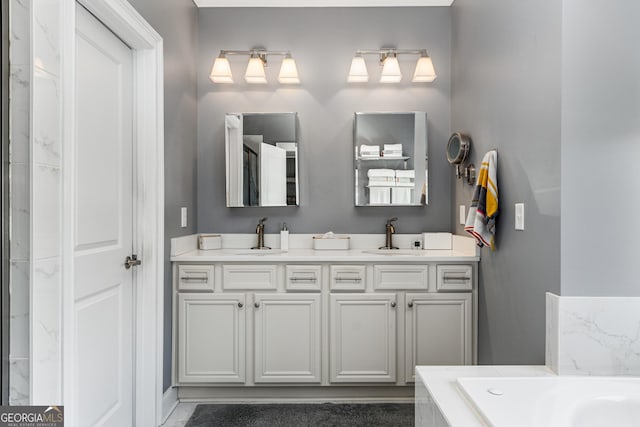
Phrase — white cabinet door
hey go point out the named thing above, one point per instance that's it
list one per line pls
(287, 338)
(438, 330)
(363, 337)
(211, 338)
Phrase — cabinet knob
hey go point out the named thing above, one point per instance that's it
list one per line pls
(410, 304)
(240, 305)
(257, 304)
(393, 304)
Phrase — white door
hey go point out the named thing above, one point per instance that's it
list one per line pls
(287, 338)
(273, 175)
(103, 221)
(363, 337)
(211, 338)
(438, 330)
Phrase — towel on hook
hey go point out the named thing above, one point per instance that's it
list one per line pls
(481, 220)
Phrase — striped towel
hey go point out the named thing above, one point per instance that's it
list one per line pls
(481, 220)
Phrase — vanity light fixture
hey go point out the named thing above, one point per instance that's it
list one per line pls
(424, 70)
(255, 72)
(358, 72)
(221, 71)
(288, 71)
(391, 69)
(388, 59)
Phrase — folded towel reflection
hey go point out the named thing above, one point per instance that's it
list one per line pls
(405, 178)
(392, 150)
(369, 150)
(381, 177)
(481, 220)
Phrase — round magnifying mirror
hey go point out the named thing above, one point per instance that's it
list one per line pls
(457, 148)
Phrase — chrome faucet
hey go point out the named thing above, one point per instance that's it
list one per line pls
(390, 229)
(260, 233)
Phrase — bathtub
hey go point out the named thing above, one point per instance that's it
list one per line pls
(561, 401)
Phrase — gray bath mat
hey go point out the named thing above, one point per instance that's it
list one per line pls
(286, 415)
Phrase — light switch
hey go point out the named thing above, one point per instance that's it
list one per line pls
(183, 217)
(463, 215)
(519, 216)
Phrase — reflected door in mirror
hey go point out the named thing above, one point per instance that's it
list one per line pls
(261, 159)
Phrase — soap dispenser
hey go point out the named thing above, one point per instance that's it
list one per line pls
(284, 238)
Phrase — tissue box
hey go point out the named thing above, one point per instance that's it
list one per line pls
(208, 242)
(337, 243)
(436, 241)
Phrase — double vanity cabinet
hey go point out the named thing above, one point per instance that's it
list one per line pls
(320, 318)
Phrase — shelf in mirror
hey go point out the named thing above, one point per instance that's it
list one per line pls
(371, 159)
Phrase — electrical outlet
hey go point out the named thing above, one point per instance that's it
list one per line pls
(183, 217)
(519, 216)
(463, 215)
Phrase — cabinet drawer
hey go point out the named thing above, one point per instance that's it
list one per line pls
(454, 278)
(248, 276)
(303, 277)
(195, 277)
(401, 277)
(347, 277)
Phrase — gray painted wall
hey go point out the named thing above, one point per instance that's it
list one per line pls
(323, 41)
(176, 22)
(506, 95)
(600, 147)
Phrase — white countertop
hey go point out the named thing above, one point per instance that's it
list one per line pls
(440, 381)
(236, 248)
(310, 255)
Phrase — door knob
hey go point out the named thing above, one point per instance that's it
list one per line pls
(240, 305)
(393, 304)
(257, 304)
(410, 304)
(132, 261)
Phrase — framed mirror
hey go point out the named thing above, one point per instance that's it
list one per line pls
(391, 167)
(261, 159)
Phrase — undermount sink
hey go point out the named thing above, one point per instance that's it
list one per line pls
(403, 252)
(253, 251)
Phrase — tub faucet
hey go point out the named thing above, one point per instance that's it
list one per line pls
(260, 233)
(390, 229)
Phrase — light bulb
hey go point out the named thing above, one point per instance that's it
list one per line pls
(391, 70)
(288, 72)
(221, 71)
(255, 71)
(424, 73)
(358, 71)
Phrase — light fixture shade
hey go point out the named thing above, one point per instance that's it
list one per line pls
(221, 71)
(358, 72)
(255, 71)
(391, 71)
(288, 72)
(424, 73)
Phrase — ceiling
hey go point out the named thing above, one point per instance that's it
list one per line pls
(320, 3)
